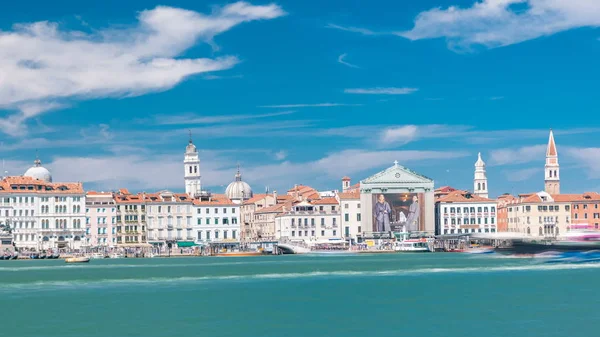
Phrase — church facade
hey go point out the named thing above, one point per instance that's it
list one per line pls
(397, 199)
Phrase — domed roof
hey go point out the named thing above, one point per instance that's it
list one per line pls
(37, 171)
(238, 190)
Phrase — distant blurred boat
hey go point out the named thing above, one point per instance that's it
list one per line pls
(81, 259)
(572, 257)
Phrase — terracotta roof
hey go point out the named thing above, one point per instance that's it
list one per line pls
(462, 196)
(349, 195)
(17, 184)
(346, 178)
(124, 191)
(256, 198)
(325, 201)
(129, 198)
(216, 200)
(94, 193)
(273, 209)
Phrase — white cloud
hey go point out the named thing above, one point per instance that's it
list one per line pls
(341, 60)
(521, 155)
(362, 31)
(318, 105)
(189, 119)
(523, 175)
(399, 135)
(402, 134)
(588, 158)
(495, 23)
(381, 91)
(41, 66)
(153, 172)
(281, 155)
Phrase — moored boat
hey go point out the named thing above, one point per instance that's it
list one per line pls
(77, 259)
(239, 254)
(412, 246)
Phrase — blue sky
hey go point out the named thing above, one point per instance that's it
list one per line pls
(300, 93)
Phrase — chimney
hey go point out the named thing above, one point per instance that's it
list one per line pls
(345, 183)
(275, 196)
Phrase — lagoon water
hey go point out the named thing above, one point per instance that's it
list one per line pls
(365, 295)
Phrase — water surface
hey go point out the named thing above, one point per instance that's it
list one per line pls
(375, 295)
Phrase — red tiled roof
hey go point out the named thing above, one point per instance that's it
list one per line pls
(325, 201)
(17, 184)
(346, 178)
(462, 196)
(349, 195)
(216, 199)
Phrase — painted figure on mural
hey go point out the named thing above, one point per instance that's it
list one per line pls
(382, 214)
(412, 223)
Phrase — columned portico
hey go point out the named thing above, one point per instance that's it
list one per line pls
(397, 199)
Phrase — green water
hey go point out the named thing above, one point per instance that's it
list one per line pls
(367, 295)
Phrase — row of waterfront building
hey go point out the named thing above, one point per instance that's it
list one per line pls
(42, 214)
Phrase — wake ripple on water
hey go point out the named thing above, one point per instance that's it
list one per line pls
(105, 283)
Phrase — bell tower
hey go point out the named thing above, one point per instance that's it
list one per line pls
(552, 169)
(191, 163)
(480, 186)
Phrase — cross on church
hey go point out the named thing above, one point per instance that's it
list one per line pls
(395, 163)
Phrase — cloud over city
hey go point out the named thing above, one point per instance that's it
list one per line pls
(44, 67)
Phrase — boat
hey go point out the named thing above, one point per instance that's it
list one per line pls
(97, 256)
(255, 253)
(412, 246)
(116, 256)
(78, 259)
(55, 256)
(480, 250)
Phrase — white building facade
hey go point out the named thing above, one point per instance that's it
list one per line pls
(216, 219)
(310, 221)
(461, 212)
(351, 215)
(43, 215)
(170, 219)
(101, 220)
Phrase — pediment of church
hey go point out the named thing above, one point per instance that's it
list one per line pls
(397, 174)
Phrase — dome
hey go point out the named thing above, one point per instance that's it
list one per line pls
(238, 190)
(37, 171)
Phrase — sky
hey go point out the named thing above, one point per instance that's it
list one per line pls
(300, 92)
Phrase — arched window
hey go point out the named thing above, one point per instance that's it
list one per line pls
(483, 186)
(557, 231)
(190, 169)
(528, 231)
(195, 169)
(479, 186)
(541, 231)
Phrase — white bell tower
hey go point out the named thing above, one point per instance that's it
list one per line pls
(552, 169)
(480, 186)
(191, 164)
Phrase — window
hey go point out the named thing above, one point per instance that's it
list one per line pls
(208, 235)
(208, 221)
(216, 234)
(216, 212)
(322, 233)
(334, 232)
(225, 235)
(216, 223)
(359, 229)
(224, 210)
(358, 217)
(199, 222)
(233, 210)
(346, 216)
(346, 206)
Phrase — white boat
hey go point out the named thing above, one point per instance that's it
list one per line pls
(116, 256)
(412, 246)
(97, 256)
(78, 259)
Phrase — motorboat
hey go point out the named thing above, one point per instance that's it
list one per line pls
(412, 246)
(117, 256)
(575, 241)
(97, 256)
(77, 259)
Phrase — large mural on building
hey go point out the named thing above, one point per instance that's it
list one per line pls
(398, 212)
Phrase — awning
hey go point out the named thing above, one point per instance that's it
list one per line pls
(183, 244)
